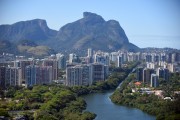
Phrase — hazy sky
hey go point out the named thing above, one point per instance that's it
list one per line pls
(147, 23)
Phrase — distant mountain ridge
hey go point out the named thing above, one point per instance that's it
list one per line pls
(91, 31)
(36, 29)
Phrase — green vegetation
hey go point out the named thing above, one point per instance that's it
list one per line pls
(35, 50)
(169, 87)
(42, 102)
(25, 47)
(150, 103)
(4, 112)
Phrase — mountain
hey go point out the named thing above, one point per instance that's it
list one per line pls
(92, 31)
(25, 47)
(7, 47)
(35, 30)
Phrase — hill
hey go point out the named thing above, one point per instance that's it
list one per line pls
(25, 47)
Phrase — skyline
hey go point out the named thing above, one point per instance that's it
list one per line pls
(146, 23)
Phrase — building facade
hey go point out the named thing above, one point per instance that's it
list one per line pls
(78, 75)
(13, 76)
(154, 80)
(38, 75)
(139, 74)
(2, 77)
(54, 64)
(85, 74)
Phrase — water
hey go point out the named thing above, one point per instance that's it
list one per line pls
(101, 105)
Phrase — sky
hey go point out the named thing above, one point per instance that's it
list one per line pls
(147, 23)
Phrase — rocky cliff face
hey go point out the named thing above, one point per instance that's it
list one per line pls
(91, 31)
(36, 29)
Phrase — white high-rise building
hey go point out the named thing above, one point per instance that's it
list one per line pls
(119, 61)
(101, 59)
(73, 58)
(150, 65)
(90, 52)
(89, 58)
(61, 61)
(113, 56)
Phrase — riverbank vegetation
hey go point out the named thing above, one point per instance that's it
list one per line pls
(150, 103)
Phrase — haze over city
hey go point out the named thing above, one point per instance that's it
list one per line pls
(146, 23)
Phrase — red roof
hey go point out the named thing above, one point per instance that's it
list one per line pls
(137, 83)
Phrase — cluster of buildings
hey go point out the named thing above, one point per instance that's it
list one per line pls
(158, 67)
(152, 76)
(28, 72)
(18, 71)
(86, 70)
